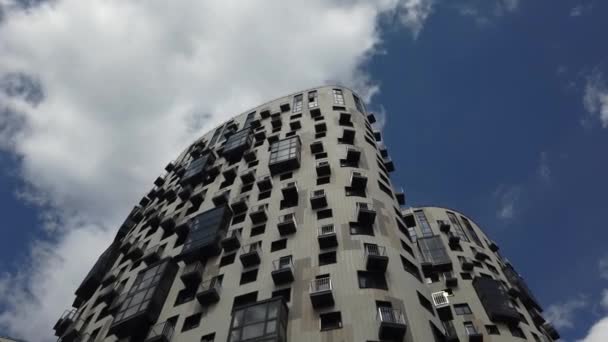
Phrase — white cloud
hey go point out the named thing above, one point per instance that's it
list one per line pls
(604, 300)
(508, 198)
(603, 267)
(125, 86)
(595, 98)
(580, 10)
(544, 172)
(562, 315)
(598, 332)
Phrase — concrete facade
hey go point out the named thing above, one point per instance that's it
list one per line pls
(365, 279)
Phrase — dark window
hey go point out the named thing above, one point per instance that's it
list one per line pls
(238, 219)
(327, 258)
(246, 188)
(249, 276)
(358, 104)
(410, 268)
(264, 195)
(425, 227)
(462, 309)
(470, 329)
(425, 303)
(323, 180)
(278, 245)
(385, 189)
(492, 330)
(323, 214)
(185, 295)
(208, 338)
(433, 250)
(295, 116)
(372, 280)
(192, 322)
(285, 293)
(516, 331)
(356, 229)
(227, 259)
(457, 226)
(466, 276)
(284, 150)
(331, 320)
(257, 230)
(321, 155)
(286, 175)
(471, 231)
(248, 298)
(320, 135)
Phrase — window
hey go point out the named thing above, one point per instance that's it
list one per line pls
(492, 330)
(192, 322)
(457, 227)
(516, 331)
(410, 268)
(371, 280)
(470, 329)
(323, 214)
(466, 276)
(407, 248)
(286, 175)
(227, 259)
(327, 258)
(425, 303)
(208, 338)
(264, 195)
(297, 103)
(323, 180)
(186, 295)
(278, 245)
(248, 298)
(358, 104)
(471, 231)
(356, 229)
(433, 250)
(331, 320)
(462, 309)
(321, 155)
(285, 150)
(263, 321)
(313, 99)
(285, 293)
(257, 230)
(338, 97)
(249, 276)
(238, 219)
(424, 224)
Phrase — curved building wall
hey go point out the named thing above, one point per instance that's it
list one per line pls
(347, 264)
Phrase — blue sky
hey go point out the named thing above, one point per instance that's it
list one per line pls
(493, 108)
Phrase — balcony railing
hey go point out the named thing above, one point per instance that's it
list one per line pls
(375, 258)
(161, 332)
(209, 291)
(264, 182)
(390, 315)
(440, 299)
(321, 285)
(327, 236)
(287, 224)
(283, 271)
(193, 272)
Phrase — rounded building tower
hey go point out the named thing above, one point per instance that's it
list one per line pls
(282, 225)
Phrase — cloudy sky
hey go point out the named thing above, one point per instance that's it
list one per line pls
(498, 108)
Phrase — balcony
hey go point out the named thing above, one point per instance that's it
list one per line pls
(375, 258)
(323, 168)
(109, 293)
(209, 292)
(248, 176)
(327, 236)
(159, 181)
(321, 293)
(144, 201)
(400, 195)
(348, 136)
(64, 322)
(451, 281)
(290, 191)
(197, 198)
(537, 318)
(388, 164)
(220, 197)
(453, 239)
(287, 224)
(135, 252)
(170, 167)
(495, 300)
(318, 199)
(203, 234)
(366, 215)
(316, 147)
(109, 277)
(264, 183)
(392, 324)
(358, 180)
(240, 204)
(551, 331)
(371, 118)
(250, 156)
(117, 303)
(444, 226)
(73, 334)
(467, 264)
(250, 255)
(192, 273)
(162, 332)
(168, 224)
(258, 214)
(154, 220)
(232, 240)
(353, 155)
(344, 119)
(152, 255)
(493, 246)
(282, 271)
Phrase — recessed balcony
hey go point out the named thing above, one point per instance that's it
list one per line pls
(135, 252)
(388, 164)
(192, 273)
(316, 147)
(376, 259)
(371, 118)
(282, 271)
(109, 293)
(323, 168)
(391, 324)
(232, 240)
(264, 183)
(358, 180)
(240, 204)
(109, 277)
(248, 176)
(353, 155)
(444, 226)
(467, 264)
(287, 224)
(451, 281)
(152, 255)
(321, 293)
(209, 292)
(64, 322)
(290, 191)
(345, 119)
(366, 214)
(185, 192)
(250, 255)
(258, 214)
(318, 199)
(221, 197)
(326, 235)
(162, 332)
(168, 224)
(400, 195)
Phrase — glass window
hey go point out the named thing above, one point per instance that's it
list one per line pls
(372, 280)
(462, 309)
(338, 97)
(313, 99)
(471, 231)
(424, 224)
(284, 150)
(358, 104)
(297, 103)
(433, 250)
(470, 328)
(457, 227)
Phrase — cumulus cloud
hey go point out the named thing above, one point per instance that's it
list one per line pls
(598, 332)
(580, 10)
(562, 315)
(544, 172)
(508, 198)
(595, 98)
(97, 96)
(604, 299)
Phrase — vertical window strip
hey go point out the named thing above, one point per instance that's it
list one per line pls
(338, 97)
(297, 103)
(458, 227)
(424, 223)
(472, 232)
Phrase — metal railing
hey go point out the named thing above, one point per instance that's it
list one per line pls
(317, 193)
(287, 218)
(327, 229)
(211, 284)
(364, 206)
(290, 185)
(390, 315)
(321, 285)
(195, 267)
(374, 250)
(165, 329)
(252, 247)
(440, 299)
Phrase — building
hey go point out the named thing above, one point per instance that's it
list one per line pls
(282, 225)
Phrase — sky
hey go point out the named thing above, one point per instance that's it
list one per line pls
(496, 108)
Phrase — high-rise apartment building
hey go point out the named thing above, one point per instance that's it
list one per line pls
(282, 225)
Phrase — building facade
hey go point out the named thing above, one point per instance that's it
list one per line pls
(282, 225)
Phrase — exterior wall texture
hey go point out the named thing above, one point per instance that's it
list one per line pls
(347, 264)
